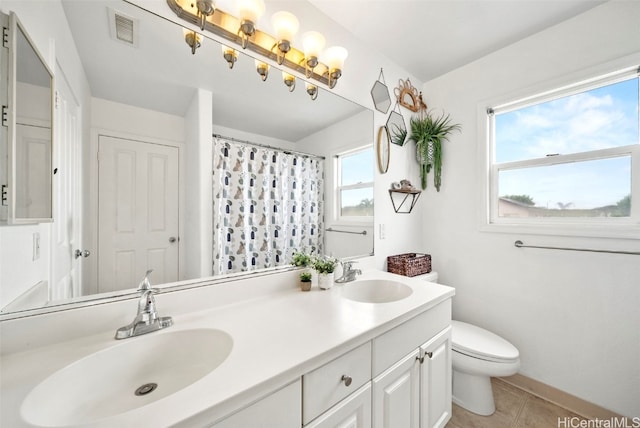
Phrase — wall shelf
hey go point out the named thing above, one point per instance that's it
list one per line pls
(403, 198)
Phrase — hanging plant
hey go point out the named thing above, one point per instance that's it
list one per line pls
(428, 132)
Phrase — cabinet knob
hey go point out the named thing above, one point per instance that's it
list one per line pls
(347, 380)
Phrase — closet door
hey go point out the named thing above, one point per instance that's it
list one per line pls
(137, 213)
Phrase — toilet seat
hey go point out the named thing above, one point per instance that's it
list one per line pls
(479, 343)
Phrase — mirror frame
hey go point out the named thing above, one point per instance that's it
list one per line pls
(383, 149)
(381, 97)
(11, 187)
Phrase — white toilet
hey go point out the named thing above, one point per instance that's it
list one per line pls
(477, 356)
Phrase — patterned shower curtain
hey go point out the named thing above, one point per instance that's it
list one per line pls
(266, 205)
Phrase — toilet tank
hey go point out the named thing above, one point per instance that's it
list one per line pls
(431, 277)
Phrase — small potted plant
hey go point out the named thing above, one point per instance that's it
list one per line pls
(325, 267)
(305, 281)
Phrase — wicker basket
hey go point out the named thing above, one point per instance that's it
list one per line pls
(409, 264)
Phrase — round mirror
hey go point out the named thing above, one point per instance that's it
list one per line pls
(383, 149)
(396, 128)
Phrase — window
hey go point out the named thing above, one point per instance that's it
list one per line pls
(568, 156)
(354, 195)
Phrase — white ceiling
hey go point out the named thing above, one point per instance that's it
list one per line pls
(431, 37)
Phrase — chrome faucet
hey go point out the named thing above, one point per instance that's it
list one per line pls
(147, 319)
(348, 273)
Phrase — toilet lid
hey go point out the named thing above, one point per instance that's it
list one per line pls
(482, 344)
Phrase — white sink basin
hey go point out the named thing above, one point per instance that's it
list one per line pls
(376, 291)
(122, 377)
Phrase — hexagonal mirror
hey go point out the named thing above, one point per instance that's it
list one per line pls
(397, 128)
(380, 95)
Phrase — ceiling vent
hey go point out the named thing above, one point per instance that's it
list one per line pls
(123, 28)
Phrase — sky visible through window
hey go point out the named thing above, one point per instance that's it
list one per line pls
(601, 118)
(357, 168)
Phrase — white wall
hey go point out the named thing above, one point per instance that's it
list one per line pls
(351, 133)
(575, 317)
(42, 22)
(199, 192)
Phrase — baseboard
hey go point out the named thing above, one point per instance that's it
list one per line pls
(554, 395)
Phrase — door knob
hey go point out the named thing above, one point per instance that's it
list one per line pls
(173, 239)
(79, 253)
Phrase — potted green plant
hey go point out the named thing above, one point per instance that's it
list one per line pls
(428, 132)
(325, 266)
(301, 259)
(305, 281)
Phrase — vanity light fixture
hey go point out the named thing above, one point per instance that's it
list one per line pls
(193, 40)
(312, 90)
(250, 11)
(241, 30)
(286, 26)
(205, 8)
(335, 59)
(229, 55)
(262, 69)
(289, 80)
(313, 43)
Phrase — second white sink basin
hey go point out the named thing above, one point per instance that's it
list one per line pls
(376, 291)
(126, 376)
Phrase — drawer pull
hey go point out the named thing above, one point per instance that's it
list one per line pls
(429, 354)
(347, 380)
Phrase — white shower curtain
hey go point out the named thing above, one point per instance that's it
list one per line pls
(266, 205)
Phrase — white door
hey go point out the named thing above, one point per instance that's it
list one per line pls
(66, 270)
(436, 381)
(396, 395)
(137, 213)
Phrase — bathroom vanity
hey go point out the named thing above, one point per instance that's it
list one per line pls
(244, 353)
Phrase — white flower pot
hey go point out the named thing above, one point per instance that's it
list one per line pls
(325, 280)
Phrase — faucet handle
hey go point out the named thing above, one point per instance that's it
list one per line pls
(348, 264)
(145, 284)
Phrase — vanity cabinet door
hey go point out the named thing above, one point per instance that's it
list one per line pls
(435, 372)
(396, 394)
(280, 409)
(352, 412)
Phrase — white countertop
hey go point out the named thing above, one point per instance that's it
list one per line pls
(276, 338)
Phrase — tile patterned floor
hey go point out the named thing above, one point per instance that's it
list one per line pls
(515, 408)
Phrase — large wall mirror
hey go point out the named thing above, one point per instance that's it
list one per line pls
(27, 115)
(158, 73)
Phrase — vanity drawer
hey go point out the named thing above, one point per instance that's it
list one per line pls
(324, 387)
(393, 345)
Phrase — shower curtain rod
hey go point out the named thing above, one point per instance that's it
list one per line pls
(266, 146)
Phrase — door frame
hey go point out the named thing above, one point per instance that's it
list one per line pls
(93, 216)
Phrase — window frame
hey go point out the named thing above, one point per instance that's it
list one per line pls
(351, 220)
(608, 227)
